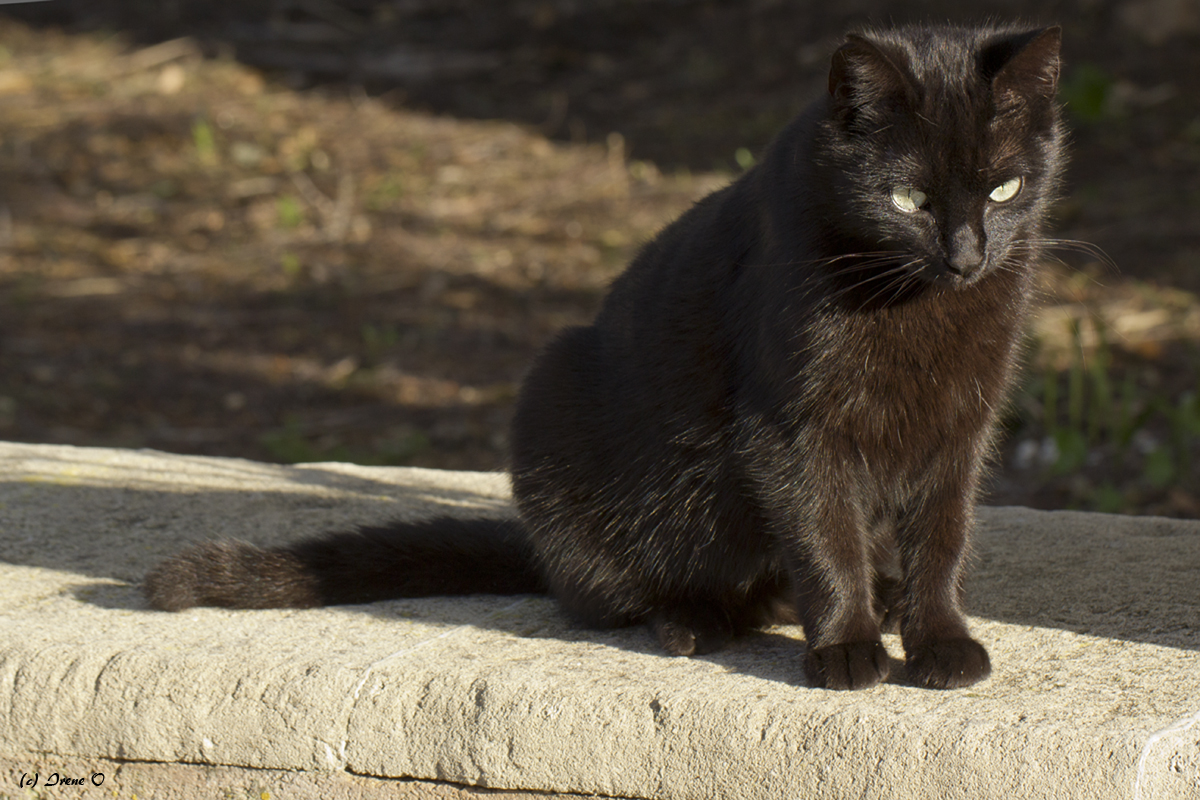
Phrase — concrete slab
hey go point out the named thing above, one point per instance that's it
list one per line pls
(1092, 622)
(93, 778)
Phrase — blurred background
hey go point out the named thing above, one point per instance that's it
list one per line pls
(298, 230)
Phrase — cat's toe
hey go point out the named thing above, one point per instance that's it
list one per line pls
(681, 635)
(948, 664)
(677, 639)
(853, 665)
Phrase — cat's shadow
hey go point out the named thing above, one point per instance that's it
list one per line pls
(774, 654)
(115, 532)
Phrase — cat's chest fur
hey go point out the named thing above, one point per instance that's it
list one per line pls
(901, 382)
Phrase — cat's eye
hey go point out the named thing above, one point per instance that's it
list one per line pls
(1006, 191)
(908, 199)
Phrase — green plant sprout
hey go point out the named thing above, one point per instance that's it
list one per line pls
(205, 141)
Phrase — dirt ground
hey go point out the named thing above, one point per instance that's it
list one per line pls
(313, 230)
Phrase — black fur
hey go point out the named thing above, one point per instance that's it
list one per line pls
(784, 406)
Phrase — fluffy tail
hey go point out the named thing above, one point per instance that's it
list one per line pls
(440, 556)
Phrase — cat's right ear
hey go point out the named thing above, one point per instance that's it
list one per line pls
(864, 77)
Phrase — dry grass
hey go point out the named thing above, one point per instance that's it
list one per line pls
(215, 260)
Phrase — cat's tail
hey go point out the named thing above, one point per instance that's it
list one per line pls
(440, 556)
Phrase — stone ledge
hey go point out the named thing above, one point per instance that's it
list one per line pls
(103, 778)
(1091, 621)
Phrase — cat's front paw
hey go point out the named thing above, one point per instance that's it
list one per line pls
(853, 665)
(948, 664)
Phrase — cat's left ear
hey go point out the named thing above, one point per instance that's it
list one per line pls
(1025, 65)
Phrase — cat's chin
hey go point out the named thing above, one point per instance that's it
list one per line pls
(949, 279)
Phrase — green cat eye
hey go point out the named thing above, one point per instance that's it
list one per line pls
(908, 199)
(1006, 191)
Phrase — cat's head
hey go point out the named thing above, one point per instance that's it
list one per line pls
(945, 145)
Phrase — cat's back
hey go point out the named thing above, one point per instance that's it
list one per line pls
(649, 381)
(678, 330)
(682, 274)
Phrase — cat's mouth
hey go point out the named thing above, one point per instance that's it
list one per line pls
(947, 273)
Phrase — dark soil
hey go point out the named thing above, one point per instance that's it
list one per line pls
(340, 230)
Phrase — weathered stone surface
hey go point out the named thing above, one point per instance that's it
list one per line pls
(1093, 623)
(99, 779)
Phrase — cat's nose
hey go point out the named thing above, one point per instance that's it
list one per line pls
(965, 252)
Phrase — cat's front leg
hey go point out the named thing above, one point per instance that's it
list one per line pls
(831, 571)
(807, 487)
(932, 542)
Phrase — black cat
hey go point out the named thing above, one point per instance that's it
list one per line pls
(784, 406)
